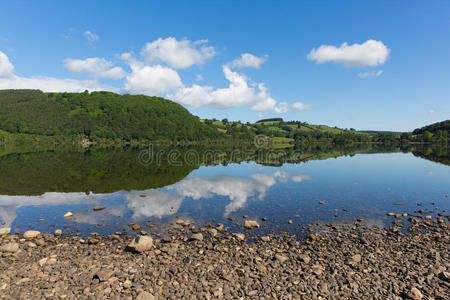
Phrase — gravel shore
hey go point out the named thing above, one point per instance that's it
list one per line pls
(408, 261)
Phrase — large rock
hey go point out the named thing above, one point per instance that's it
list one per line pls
(415, 294)
(249, 224)
(9, 247)
(31, 234)
(141, 243)
(145, 296)
(5, 231)
(197, 237)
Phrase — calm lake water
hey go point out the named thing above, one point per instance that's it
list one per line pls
(364, 185)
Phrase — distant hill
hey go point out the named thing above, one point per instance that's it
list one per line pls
(99, 115)
(434, 128)
(381, 132)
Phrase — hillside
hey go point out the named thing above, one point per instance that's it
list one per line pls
(98, 115)
(438, 128)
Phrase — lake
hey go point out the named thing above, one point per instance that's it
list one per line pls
(307, 186)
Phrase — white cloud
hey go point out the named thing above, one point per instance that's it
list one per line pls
(177, 54)
(370, 53)
(238, 93)
(431, 111)
(151, 80)
(248, 60)
(92, 37)
(370, 74)
(300, 106)
(46, 84)
(282, 108)
(6, 67)
(95, 66)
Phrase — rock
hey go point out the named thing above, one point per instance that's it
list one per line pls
(290, 222)
(356, 258)
(264, 219)
(415, 294)
(103, 275)
(251, 224)
(145, 296)
(136, 227)
(9, 247)
(281, 258)
(98, 208)
(180, 222)
(321, 202)
(445, 276)
(390, 214)
(5, 231)
(31, 234)
(428, 217)
(68, 214)
(197, 237)
(43, 261)
(213, 232)
(140, 244)
(240, 236)
(265, 238)
(58, 232)
(305, 258)
(127, 284)
(317, 269)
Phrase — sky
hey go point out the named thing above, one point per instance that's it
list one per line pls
(380, 65)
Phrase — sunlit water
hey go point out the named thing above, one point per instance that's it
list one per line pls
(363, 186)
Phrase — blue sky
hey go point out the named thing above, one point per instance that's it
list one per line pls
(393, 73)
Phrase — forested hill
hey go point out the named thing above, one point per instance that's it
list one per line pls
(99, 115)
(435, 128)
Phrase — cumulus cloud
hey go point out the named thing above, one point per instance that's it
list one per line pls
(151, 80)
(199, 77)
(91, 37)
(6, 67)
(177, 54)
(248, 60)
(239, 93)
(47, 84)
(282, 108)
(94, 66)
(370, 74)
(300, 106)
(370, 53)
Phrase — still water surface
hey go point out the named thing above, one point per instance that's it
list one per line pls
(366, 185)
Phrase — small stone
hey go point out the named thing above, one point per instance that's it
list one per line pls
(415, 294)
(390, 214)
(58, 232)
(145, 296)
(197, 237)
(68, 214)
(141, 243)
(5, 231)
(43, 261)
(281, 258)
(290, 222)
(305, 258)
(265, 238)
(264, 219)
(428, 217)
(9, 247)
(213, 232)
(356, 258)
(136, 227)
(31, 234)
(103, 275)
(251, 224)
(127, 284)
(317, 269)
(321, 202)
(98, 208)
(240, 236)
(180, 222)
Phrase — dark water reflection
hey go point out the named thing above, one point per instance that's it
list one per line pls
(352, 182)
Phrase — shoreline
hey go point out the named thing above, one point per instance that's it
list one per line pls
(407, 261)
